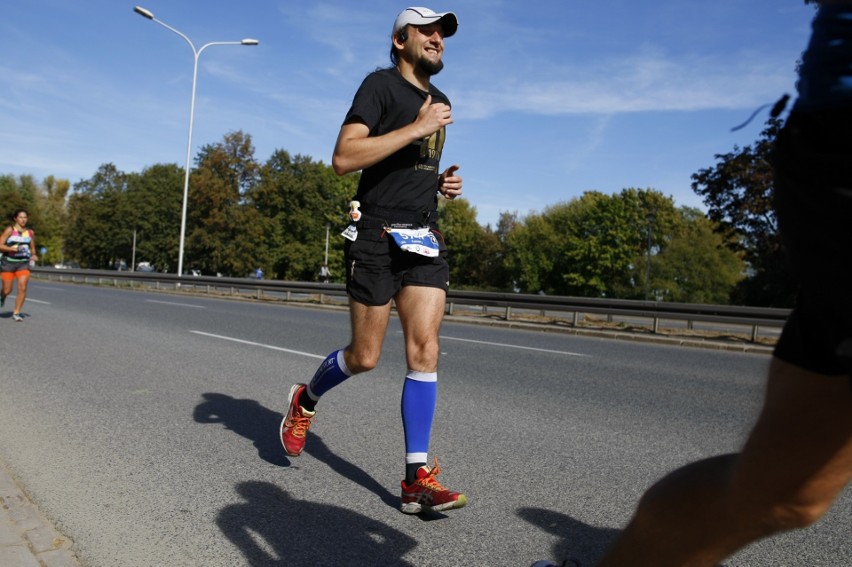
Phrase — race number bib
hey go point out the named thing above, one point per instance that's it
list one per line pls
(417, 240)
(350, 233)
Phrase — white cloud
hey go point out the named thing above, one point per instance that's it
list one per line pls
(643, 82)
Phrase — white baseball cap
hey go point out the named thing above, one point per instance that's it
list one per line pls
(421, 16)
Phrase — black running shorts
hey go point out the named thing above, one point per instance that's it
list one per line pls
(376, 269)
(813, 200)
(10, 267)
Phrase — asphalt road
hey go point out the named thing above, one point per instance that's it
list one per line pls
(145, 426)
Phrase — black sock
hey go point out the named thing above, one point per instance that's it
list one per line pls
(411, 472)
(306, 402)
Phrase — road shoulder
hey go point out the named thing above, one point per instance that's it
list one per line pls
(27, 538)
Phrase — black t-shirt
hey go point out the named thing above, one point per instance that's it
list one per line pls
(408, 179)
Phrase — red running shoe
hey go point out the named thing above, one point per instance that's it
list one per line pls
(295, 425)
(428, 493)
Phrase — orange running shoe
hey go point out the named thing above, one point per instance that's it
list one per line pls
(428, 493)
(295, 425)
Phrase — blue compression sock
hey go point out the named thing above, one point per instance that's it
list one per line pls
(331, 373)
(419, 397)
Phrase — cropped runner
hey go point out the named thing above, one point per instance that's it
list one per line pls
(17, 243)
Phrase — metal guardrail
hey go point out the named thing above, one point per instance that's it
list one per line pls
(510, 304)
(656, 311)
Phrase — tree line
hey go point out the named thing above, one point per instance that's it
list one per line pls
(243, 214)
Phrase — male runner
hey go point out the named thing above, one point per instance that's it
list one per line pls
(394, 133)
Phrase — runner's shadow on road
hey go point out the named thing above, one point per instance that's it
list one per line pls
(577, 540)
(246, 418)
(9, 315)
(273, 529)
(317, 448)
(261, 426)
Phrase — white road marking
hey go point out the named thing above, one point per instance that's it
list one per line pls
(311, 355)
(175, 304)
(252, 343)
(30, 300)
(515, 346)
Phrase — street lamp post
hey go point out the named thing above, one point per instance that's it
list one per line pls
(324, 272)
(652, 216)
(196, 54)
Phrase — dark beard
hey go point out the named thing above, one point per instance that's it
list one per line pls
(430, 68)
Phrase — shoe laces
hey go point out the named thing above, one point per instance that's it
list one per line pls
(299, 424)
(429, 481)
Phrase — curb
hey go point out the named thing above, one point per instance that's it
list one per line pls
(27, 539)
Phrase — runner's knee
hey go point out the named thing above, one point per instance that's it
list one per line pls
(361, 361)
(423, 356)
(791, 514)
(784, 509)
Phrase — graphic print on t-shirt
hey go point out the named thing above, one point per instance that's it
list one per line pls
(430, 151)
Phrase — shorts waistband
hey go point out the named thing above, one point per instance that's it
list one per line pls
(378, 217)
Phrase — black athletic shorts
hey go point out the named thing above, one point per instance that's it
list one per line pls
(813, 201)
(377, 269)
(10, 266)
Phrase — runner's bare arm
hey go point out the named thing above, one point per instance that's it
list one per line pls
(356, 149)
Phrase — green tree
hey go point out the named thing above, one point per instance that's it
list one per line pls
(223, 235)
(90, 235)
(9, 197)
(491, 272)
(475, 253)
(300, 200)
(532, 246)
(592, 246)
(54, 217)
(738, 192)
(695, 266)
(20, 193)
(607, 241)
(601, 245)
(500, 271)
(152, 211)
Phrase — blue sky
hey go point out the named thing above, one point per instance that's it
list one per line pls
(551, 98)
